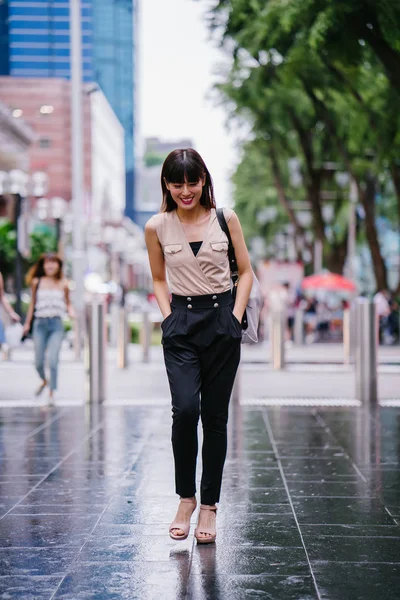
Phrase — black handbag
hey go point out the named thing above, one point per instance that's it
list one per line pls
(232, 260)
(251, 317)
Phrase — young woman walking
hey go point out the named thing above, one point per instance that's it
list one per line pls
(49, 302)
(201, 328)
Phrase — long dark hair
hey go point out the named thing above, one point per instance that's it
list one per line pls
(185, 165)
(37, 270)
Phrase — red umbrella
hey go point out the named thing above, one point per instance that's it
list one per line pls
(328, 281)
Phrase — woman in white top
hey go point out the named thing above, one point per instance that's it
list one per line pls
(50, 301)
(202, 328)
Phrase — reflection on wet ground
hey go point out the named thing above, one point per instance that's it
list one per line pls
(310, 507)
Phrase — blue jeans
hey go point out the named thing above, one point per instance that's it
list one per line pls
(48, 334)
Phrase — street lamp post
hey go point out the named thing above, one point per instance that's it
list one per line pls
(18, 187)
(77, 167)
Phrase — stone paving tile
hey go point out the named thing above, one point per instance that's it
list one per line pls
(341, 511)
(66, 508)
(138, 580)
(208, 586)
(27, 587)
(333, 489)
(45, 530)
(35, 561)
(357, 581)
(351, 549)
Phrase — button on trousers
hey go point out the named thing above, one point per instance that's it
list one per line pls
(201, 343)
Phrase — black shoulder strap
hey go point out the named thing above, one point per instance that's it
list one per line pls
(231, 250)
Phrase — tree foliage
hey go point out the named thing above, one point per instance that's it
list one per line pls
(41, 241)
(318, 81)
(7, 248)
(153, 159)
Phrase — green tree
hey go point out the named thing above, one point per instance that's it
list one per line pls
(7, 247)
(320, 81)
(41, 242)
(152, 159)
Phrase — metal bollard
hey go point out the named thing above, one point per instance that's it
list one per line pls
(277, 339)
(95, 351)
(122, 350)
(76, 328)
(114, 325)
(299, 327)
(146, 335)
(366, 351)
(353, 332)
(346, 335)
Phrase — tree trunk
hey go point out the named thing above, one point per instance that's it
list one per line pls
(281, 191)
(388, 56)
(336, 258)
(313, 176)
(395, 171)
(367, 198)
(313, 195)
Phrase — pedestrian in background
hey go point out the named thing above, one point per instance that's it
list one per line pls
(382, 307)
(9, 310)
(50, 302)
(202, 328)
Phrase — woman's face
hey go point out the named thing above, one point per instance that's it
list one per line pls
(186, 195)
(51, 267)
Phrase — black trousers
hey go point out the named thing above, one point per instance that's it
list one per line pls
(201, 342)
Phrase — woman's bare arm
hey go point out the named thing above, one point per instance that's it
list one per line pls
(29, 315)
(4, 301)
(244, 267)
(157, 265)
(70, 308)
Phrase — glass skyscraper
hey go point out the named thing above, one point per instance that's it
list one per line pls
(35, 42)
(114, 43)
(35, 38)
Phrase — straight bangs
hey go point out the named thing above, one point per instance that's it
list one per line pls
(185, 171)
(185, 165)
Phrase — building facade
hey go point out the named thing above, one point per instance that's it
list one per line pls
(35, 38)
(35, 42)
(15, 138)
(149, 185)
(45, 105)
(104, 171)
(114, 51)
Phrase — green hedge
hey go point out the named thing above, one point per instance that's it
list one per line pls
(135, 334)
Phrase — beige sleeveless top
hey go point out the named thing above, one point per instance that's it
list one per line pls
(190, 275)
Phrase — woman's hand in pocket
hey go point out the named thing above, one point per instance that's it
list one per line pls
(239, 319)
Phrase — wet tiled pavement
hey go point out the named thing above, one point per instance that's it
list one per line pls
(310, 506)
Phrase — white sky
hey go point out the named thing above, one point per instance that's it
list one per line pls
(177, 62)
